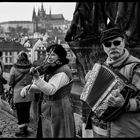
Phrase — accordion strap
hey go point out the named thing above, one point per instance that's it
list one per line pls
(116, 70)
(125, 63)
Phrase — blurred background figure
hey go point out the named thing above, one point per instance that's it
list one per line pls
(2, 80)
(19, 78)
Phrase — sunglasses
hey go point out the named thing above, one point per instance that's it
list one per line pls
(109, 44)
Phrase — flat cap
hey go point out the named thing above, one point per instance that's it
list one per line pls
(111, 33)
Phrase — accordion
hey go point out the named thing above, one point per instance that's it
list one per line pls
(101, 82)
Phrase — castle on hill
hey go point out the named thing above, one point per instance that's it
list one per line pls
(41, 21)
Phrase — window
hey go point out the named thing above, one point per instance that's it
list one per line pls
(10, 59)
(6, 59)
(10, 53)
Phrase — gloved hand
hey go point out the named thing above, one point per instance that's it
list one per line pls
(115, 99)
(24, 91)
(35, 73)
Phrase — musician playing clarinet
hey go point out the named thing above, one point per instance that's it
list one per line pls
(127, 124)
(57, 116)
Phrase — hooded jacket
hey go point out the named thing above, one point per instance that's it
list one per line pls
(16, 71)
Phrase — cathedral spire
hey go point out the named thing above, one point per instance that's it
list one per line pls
(34, 14)
(50, 12)
(42, 11)
(42, 8)
(38, 12)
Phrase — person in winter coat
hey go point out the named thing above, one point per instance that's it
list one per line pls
(20, 77)
(1, 64)
(57, 114)
(127, 124)
(2, 79)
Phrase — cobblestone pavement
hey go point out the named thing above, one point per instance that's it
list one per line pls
(8, 126)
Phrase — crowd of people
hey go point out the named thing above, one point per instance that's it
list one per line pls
(53, 80)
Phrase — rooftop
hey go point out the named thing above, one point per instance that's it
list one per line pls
(11, 46)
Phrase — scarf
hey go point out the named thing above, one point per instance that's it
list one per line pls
(22, 65)
(119, 61)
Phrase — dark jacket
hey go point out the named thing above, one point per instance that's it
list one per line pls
(2, 79)
(16, 71)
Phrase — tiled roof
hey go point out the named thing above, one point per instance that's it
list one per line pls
(33, 41)
(11, 46)
(57, 16)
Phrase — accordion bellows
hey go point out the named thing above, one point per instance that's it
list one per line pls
(101, 82)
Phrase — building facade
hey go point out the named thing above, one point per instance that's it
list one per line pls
(10, 52)
(41, 20)
(6, 26)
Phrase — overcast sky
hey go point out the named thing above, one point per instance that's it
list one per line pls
(15, 11)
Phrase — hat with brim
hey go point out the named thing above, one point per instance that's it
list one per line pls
(111, 34)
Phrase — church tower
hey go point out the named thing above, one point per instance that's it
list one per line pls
(50, 13)
(42, 12)
(42, 21)
(34, 20)
(34, 15)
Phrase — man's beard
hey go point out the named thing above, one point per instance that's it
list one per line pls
(114, 55)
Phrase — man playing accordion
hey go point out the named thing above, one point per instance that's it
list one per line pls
(127, 124)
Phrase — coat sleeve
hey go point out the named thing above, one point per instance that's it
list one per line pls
(56, 82)
(134, 103)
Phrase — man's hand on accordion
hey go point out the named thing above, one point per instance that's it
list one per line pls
(115, 99)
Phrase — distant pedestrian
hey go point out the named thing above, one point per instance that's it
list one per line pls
(1, 63)
(19, 78)
(2, 80)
